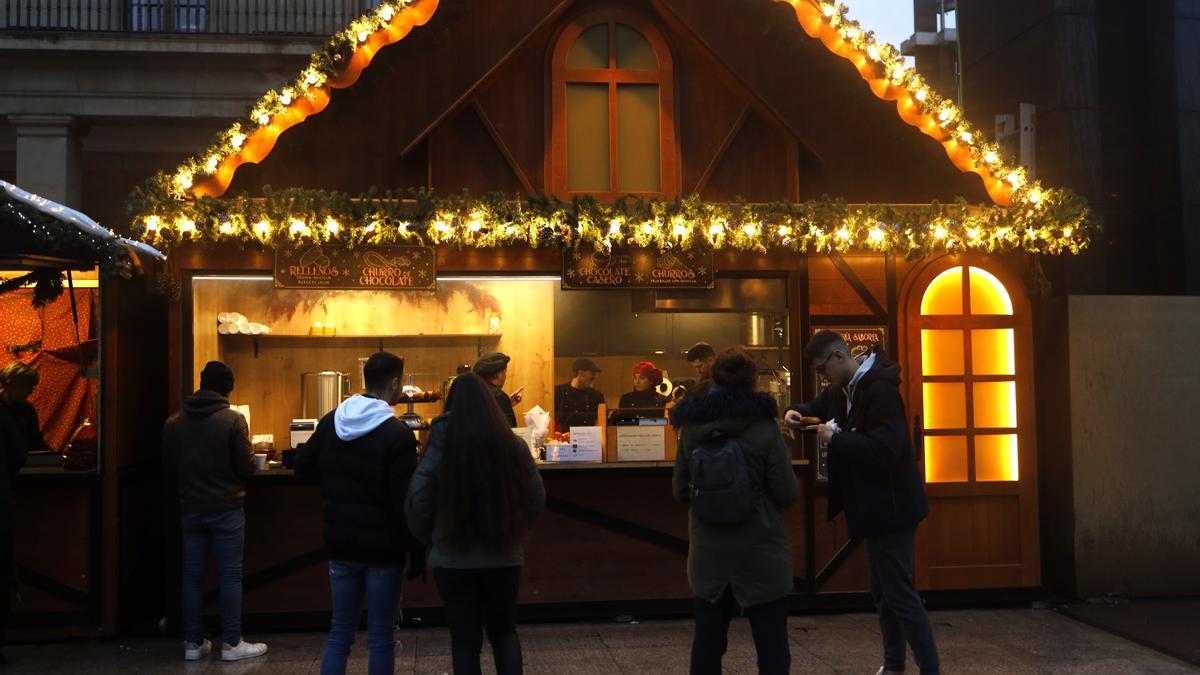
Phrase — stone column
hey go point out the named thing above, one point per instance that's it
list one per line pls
(48, 156)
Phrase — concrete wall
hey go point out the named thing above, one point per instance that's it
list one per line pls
(1134, 404)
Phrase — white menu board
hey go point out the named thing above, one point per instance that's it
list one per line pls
(641, 444)
(587, 439)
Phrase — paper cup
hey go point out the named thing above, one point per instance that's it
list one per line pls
(260, 460)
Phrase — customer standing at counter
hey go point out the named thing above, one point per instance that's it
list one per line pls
(873, 477)
(576, 401)
(12, 458)
(493, 368)
(645, 378)
(474, 497)
(363, 458)
(207, 454)
(745, 560)
(17, 382)
(702, 356)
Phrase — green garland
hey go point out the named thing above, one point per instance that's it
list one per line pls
(291, 217)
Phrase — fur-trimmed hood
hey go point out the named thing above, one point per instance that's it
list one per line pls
(723, 404)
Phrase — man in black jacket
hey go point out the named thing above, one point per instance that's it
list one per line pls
(363, 458)
(873, 477)
(207, 454)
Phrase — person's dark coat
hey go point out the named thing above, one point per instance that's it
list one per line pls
(363, 466)
(753, 557)
(427, 524)
(206, 451)
(25, 417)
(13, 450)
(873, 474)
(505, 404)
(576, 407)
(642, 399)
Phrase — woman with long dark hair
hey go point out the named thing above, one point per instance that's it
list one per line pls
(474, 497)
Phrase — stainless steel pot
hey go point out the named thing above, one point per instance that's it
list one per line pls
(322, 392)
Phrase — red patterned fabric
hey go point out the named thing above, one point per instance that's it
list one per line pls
(63, 397)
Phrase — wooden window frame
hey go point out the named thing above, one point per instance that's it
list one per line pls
(561, 75)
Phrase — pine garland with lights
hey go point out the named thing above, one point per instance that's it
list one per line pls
(291, 217)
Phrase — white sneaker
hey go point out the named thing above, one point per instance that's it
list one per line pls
(243, 650)
(195, 652)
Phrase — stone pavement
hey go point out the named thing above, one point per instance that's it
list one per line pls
(971, 641)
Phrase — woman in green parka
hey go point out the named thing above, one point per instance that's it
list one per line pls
(747, 565)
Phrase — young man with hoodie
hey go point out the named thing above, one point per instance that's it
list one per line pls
(207, 454)
(363, 457)
(873, 477)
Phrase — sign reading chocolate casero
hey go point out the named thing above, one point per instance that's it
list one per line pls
(376, 268)
(636, 268)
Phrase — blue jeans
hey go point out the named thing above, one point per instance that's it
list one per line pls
(224, 534)
(349, 582)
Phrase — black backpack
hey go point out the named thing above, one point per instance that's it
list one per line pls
(721, 491)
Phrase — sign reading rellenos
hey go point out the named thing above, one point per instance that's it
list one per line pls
(378, 268)
(636, 268)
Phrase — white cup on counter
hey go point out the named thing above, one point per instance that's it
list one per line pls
(260, 460)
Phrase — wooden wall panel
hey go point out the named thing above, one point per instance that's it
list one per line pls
(755, 167)
(464, 156)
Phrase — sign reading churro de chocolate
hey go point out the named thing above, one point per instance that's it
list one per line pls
(378, 268)
(636, 268)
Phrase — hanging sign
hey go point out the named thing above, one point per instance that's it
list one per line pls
(636, 268)
(373, 268)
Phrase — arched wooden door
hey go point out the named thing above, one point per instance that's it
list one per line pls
(968, 346)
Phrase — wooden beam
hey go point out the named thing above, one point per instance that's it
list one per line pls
(859, 287)
(740, 122)
(508, 156)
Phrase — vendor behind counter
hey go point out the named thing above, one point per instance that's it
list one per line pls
(576, 401)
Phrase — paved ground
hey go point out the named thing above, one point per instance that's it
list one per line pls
(971, 641)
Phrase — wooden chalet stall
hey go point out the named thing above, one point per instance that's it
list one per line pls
(76, 307)
(688, 146)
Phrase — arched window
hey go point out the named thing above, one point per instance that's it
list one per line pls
(968, 378)
(612, 126)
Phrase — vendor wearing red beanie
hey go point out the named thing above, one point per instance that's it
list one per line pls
(645, 378)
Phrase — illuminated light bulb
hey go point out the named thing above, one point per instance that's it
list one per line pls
(1014, 179)
(332, 226)
(784, 230)
(647, 228)
(945, 114)
(386, 13)
(1035, 196)
(853, 33)
(211, 164)
(844, 234)
(441, 226)
(237, 140)
(922, 94)
(153, 223)
(1067, 231)
(715, 229)
(973, 232)
(226, 227)
(184, 180)
(263, 118)
(828, 10)
(262, 228)
(679, 229)
(370, 229)
(899, 73)
(311, 77)
(940, 232)
(475, 225)
(614, 226)
(1002, 233)
(873, 52)
(297, 227)
(511, 229)
(286, 97)
(966, 137)
(750, 229)
(363, 35)
(991, 157)
(876, 235)
(186, 225)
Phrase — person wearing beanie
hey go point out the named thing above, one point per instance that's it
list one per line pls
(645, 378)
(493, 368)
(575, 402)
(208, 458)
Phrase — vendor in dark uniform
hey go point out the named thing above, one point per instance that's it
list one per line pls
(493, 368)
(575, 402)
(702, 356)
(17, 382)
(645, 378)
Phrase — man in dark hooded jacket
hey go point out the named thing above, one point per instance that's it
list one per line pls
(207, 454)
(873, 477)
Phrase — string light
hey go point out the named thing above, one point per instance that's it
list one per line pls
(332, 226)
(153, 223)
(262, 228)
(286, 97)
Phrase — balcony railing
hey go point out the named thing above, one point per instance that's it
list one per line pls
(230, 17)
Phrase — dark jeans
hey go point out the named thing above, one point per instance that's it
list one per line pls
(349, 582)
(479, 600)
(224, 534)
(7, 580)
(902, 615)
(768, 624)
